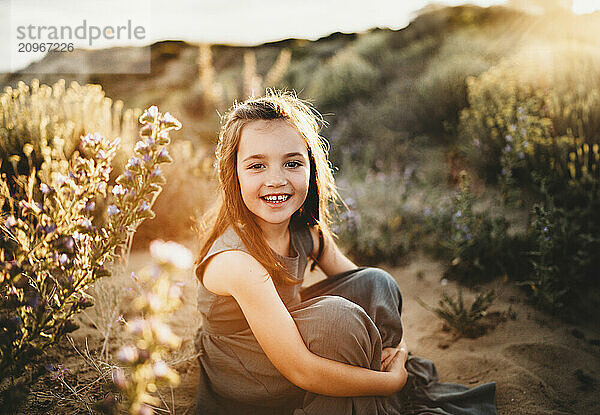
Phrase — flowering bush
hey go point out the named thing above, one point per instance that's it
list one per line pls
(42, 125)
(153, 337)
(504, 119)
(52, 246)
(380, 225)
(524, 120)
(479, 246)
(534, 120)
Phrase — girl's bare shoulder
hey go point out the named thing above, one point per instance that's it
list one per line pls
(224, 268)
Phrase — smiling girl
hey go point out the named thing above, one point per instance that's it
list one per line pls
(268, 347)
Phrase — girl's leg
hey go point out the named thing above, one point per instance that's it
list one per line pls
(338, 329)
(375, 290)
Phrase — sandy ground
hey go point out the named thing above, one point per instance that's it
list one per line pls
(541, 366)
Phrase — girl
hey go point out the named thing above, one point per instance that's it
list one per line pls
(266, 346)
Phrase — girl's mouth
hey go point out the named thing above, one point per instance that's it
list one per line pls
(276, 200)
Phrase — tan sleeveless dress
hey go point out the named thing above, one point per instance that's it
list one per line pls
(348, 317)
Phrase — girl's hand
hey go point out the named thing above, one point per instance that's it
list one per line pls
(390, 353)
(395, 365)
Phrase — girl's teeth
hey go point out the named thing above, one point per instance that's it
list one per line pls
(276, 198)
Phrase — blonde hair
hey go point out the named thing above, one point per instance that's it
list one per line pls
(230, 209)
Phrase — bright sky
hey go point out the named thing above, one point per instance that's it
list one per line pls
(217, 21)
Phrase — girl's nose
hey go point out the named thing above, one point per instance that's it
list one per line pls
(276, 179)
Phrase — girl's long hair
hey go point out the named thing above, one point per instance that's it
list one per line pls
(230, 209)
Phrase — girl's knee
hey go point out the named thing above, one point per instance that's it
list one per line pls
(381, 280)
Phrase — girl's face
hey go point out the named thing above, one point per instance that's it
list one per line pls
(273, 170)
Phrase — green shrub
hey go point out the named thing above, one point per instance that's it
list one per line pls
(479, 246)
(344, 77)
(372, 46)
(565, 263)
(441, 91)
(358, 139)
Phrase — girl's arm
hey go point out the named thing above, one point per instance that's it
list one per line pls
(240, 275)
(332, 261)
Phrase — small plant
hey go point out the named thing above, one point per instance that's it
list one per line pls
(153, 337)
(52, 246)
(457, 317)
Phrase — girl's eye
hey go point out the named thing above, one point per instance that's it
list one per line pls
(254, 166)
(293, 164)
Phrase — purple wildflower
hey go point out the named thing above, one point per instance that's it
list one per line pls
(45, 188)
(49, 228)
(134, 161)
(119, 378)
(156, 172)
(112, 210)
(59, 372)
(160, 369)
(86, 223)
(60, 179)
(69, 243)
(163, 156)
(149, 115)
(127, 354)
(171, 121)
(10, 222)
(118, 190)
(144, 206)
(92, 139)
(141, 146)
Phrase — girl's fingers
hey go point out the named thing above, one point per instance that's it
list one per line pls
(391, 355)
(386, 352)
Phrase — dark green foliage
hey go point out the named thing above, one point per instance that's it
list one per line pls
(479, 246)
(565, 259)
